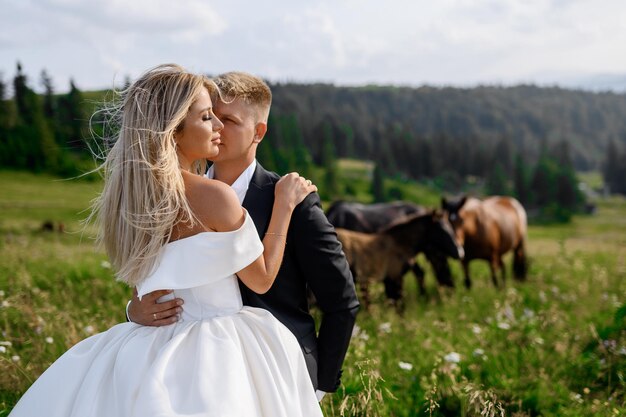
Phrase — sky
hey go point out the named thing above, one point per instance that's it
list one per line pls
(98, 43)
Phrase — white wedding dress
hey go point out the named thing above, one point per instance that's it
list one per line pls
(220, 359)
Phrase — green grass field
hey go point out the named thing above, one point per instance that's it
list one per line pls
(551, 346)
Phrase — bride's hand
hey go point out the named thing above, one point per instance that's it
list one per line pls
(291, 189)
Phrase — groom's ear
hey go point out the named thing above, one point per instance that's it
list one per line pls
(259, 132)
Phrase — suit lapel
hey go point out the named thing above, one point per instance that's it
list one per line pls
(259, 199)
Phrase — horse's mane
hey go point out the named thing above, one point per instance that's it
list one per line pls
(403, 221)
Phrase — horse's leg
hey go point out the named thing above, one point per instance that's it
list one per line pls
(418, 272)
(360, 280)
(520, 264)
(393, 288)
(493, 266)
(365, 293)
(502, 271)
(439, 262)
(468, 282)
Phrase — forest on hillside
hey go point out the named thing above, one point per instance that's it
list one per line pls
(524, 141)
(525, 116)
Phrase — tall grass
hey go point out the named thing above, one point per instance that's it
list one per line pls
(554, 345)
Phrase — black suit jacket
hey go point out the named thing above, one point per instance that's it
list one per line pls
(313, 259)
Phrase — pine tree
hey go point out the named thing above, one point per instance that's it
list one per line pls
(329, 162)
(49, 105)
(378, 184)
(543, 182)
(25, 98)
(303, 163)
(4, 124)
(425, 159)
(71, 119)
(502, 155)
(521, 189)
(5, 111)
(348, 133)
(568, 195)
(611, 167)
(31, 144)
(497, 181)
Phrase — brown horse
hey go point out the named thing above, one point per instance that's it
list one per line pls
(373, 218)
(382, 256)
(487, 230)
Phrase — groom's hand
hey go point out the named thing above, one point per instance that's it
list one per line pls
(149, 312)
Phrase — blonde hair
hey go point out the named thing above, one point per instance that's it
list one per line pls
(247, 87)
(144, 194)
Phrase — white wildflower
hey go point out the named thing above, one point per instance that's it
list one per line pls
(576, 397)
(3, 349)
(504, 325)
(49, 340)
(6, 304)
(509, 313)
(6, 343)
(542, 297)
(1, 293)
(15, 358)
(476, 329)
(538, 341)
(359, 333)
(89, 329)
(478, 352)
(385, 327)
(622, 350)
(405, 365)
(528, 313)
(452, 357)
(105, 264)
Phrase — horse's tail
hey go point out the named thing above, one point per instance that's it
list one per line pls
(520, 261)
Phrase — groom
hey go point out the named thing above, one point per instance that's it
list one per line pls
(313, 257)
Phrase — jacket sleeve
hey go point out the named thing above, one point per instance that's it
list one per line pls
(327, 273)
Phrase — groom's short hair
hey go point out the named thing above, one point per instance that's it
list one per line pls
(247, 87)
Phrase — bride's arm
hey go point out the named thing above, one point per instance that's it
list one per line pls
(290, 191)
(218, 209)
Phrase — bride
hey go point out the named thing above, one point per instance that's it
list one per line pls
(165, 226)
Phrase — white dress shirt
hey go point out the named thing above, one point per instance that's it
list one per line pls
(241, 184)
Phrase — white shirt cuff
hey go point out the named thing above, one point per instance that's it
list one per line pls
(320, 395)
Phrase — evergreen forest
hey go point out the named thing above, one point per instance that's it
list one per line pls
(526, 141)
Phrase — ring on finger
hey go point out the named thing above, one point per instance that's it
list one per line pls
(154, 316)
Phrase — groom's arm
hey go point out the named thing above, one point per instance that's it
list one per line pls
(323, 263)
(149, 312)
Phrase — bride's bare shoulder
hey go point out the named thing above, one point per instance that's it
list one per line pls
(214, 203)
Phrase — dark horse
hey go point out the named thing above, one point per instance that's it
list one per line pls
(369, 218)
(383, 255)
(373, 218)
(487, 230)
